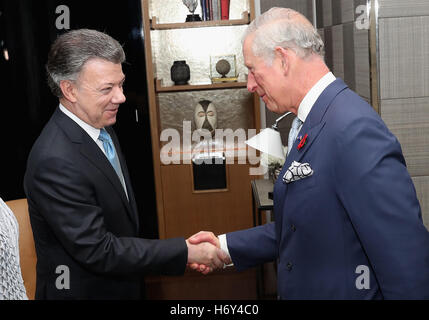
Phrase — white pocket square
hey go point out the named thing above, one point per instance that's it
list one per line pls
(297, 171)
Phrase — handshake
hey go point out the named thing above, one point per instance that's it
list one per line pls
(205, 254)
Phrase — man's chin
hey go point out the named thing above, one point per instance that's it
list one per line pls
(110, 117)
(110, 122)
(272, 107)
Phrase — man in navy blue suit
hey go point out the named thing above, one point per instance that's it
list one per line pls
(348, 223)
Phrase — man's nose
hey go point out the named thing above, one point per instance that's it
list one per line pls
(251, 83)
(118, 96)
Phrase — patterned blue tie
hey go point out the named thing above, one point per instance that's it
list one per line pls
(293, 133)
(109, 148)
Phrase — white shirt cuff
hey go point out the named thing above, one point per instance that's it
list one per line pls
(224, 247)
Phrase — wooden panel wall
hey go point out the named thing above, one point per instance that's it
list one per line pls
(188, 213)
(346, 46)
(404, 85)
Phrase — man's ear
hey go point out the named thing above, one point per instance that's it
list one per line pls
(68, 89)
(282, 55)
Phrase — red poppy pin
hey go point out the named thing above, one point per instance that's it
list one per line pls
(303, 141)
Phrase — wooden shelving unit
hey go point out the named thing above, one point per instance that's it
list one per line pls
(194, 87)
(200, 24)
(181, 211)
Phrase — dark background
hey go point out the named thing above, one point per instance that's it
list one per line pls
(27, 29)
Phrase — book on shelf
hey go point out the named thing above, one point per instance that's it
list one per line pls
(211, 9)
(224, 8)
(203, 10)
(216, 9)
(208, 10)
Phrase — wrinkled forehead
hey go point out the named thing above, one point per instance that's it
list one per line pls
(248, 53)
(102, 71)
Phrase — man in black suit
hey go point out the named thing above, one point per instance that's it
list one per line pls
(82, 206)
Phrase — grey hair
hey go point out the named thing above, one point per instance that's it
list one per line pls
(71, 50)
(280, 27)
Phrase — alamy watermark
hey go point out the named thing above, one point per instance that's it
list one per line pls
(362, 20)
(362, 281)
(63, 20)
(200, 146)
(63, 280)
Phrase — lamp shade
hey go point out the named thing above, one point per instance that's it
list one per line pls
(268, 141)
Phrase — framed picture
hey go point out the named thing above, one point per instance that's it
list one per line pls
(223, 68)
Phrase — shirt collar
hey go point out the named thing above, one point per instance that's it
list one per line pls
(312, 95)
(90, 130)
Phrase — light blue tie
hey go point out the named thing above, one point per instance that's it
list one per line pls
(293, 133)
(109, 148)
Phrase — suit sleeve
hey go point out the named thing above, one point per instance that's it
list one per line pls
(378, 194)
(67, 201)
(252, 247)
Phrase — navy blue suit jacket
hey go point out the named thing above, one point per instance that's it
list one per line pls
(355, 221)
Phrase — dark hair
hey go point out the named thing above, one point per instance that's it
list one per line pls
(71, 50)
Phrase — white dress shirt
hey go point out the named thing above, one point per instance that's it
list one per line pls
(303, 111)
(94, 133)
(312, 96)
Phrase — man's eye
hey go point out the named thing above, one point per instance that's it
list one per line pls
(201, 114)
(106, 89)
(210, 113)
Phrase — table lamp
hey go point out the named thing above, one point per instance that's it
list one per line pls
(269, 140)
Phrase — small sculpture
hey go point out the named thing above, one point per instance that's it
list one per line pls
(205, 116)
(223, 67)
(191, 5)
(180, 72)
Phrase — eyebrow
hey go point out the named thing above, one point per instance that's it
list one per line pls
(111, 83)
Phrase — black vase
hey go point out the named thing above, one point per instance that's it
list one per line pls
(180, 72)
(193, 17)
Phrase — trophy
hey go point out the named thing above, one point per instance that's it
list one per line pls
(223, 69)
(191, 5)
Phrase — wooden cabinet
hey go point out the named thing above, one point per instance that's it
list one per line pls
(181, 210)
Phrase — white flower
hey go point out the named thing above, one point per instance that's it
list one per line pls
(270, 161)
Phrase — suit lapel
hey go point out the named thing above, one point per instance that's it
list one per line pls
(314, 123)
(131, 198)
(90, 150)
(93, 153)
(312, 126)
(312, 134)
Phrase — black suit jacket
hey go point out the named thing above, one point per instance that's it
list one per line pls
(82, 219)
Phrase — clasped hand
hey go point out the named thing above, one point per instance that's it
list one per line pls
(204, 253)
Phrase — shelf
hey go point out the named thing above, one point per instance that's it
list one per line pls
(234, 153)
(200, 24)
(194, 87)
